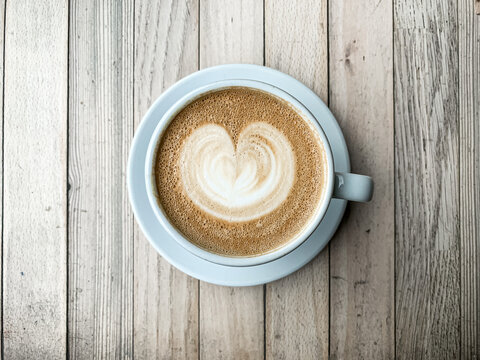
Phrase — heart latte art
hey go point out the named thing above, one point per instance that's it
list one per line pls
(240, 172)
(237, 182)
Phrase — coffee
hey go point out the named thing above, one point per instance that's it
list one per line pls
(239, 172)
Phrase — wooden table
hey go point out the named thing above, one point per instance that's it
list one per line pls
(399, 279)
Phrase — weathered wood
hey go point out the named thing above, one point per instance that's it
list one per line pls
(35, 163)
(231, 319)
(296, 41)
(122, 297)
(362, 252)
(231, 32)
(100, 226)
(297, 306)
(426, 179)
(231, 322)
(469, 118)
(2, 29)
(166, 300)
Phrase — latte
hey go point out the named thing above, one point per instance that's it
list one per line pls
(239, 172)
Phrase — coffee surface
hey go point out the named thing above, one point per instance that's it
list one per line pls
(239, 172)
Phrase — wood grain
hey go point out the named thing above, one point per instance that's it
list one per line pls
(100, 219)
(231, 322)
(362, 252)
(297, 306)
(166, 300)
(2, 30)
(231, 32)
(296, 41)
(231, 319)
(80, 280)
(35, 133)
(469, 117)
(426, 179)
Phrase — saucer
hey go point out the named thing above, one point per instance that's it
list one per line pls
(172, 251)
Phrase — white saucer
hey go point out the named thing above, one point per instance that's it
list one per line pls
(174, 253)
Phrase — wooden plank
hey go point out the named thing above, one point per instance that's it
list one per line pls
(469, 117)
(166, 300)
(296, 41)
(231, 322)
(2, 30)
(297, 306)
(100, 219)
(362, 252)
(231, 32)
(35, 188)
(231, 319)
(426, 179)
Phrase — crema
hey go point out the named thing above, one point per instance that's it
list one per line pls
(240, 172)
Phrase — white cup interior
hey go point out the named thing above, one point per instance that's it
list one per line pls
(177, 235)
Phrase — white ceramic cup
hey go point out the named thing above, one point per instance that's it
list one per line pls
(339, 185)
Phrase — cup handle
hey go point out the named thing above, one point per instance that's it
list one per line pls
(353, 187)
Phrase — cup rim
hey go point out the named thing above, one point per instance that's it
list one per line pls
(175, 233)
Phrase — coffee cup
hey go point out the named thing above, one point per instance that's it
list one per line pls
(347, 186)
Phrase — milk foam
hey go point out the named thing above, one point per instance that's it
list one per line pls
(219, 162)
(238, 182)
